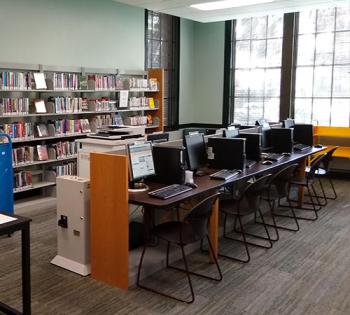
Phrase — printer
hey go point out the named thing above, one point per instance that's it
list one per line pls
(117, 132)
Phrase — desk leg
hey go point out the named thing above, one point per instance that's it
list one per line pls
(148, 219)
(26, 270)
(301, 174)
(214, 229)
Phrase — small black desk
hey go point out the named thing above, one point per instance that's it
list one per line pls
(21, 224)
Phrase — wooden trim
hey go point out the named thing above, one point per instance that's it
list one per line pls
(109, 219)
(159, 95)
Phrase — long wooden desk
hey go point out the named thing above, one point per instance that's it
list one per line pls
(207, 185)
(110, 213)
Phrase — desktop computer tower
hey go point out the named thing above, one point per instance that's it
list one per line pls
(73, 220)
(252, 145)
(226, 153)
(282, 140)
(169, 164)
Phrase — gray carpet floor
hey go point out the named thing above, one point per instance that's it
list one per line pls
(307, 272)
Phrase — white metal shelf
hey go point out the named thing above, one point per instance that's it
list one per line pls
(49, 138)
(68, 158)
(34, 186)
(78, 91)
(133, 109)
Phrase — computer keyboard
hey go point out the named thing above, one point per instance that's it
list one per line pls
(249, 163)
(169, 191)
(225, 174)
(274, 156)
(301, 147)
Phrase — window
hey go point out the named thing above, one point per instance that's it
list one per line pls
(322, 86)
(255, 69)
(162, 51)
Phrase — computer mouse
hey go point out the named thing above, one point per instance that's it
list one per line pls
(192, 185)
(266, 162)
(318, 145)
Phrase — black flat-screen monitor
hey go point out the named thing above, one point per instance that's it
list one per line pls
(196, 151)
(304, 133)
(230, 133)
(282, 140)
(141, 163)
(169, 164)
(158, 137)
(252, 145)
(226, 153)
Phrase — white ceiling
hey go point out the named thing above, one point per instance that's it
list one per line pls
(182, 8)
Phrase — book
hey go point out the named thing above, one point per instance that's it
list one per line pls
(123, 99)
(39, 80)
(151, 102)
(40, 107)
(42, 130)
(42, 152)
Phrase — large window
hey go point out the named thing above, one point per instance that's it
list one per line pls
(322, 87)
(162, 51)
(256, 52)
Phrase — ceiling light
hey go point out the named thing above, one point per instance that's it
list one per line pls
(226, 4)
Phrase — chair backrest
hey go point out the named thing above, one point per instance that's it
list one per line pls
(199, 216)
(280, 180)
(315, 166)
(252, 194)
(328, 157)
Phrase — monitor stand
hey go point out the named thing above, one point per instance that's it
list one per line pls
(137, 187)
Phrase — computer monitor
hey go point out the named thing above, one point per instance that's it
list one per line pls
(288, 123)
(230, 132)
(169, 164)
(193, 131)
(304, 133)
(158, 137)
(252, 145)
(196, 151)
(226, 153)
(263, 123)
(141, 163)
(282, 140)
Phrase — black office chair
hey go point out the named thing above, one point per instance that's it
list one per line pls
(324, 171)
(248, 202)
(278, 189)
(193, 228)
(308, 183)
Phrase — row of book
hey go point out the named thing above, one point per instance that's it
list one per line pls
(22, 180)
(13, 80)
(64, 81)
(102, 105)
(65, 169)
(102, 120)
(141, 102)
(72, 126)
(28, 154)
(18, 130)
(63, 127)
(69, 104)
(14, 106)
(136, 120)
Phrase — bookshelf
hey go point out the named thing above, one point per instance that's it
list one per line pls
(75, 102)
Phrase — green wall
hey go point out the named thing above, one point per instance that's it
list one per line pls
(187, 73)
(90, 33)
(201, 72)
